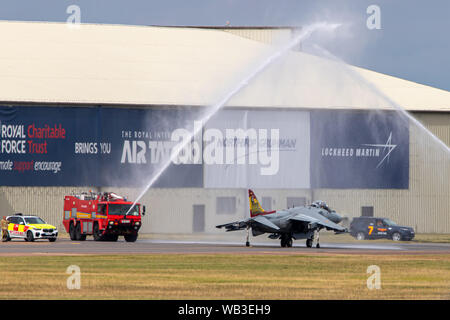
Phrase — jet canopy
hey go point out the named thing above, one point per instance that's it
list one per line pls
(320, 205)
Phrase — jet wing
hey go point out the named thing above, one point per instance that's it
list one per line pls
(266, 223)
(234, 226)
(239, 225)
(303, 218)
(322, 221)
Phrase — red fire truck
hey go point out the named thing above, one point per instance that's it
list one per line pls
(103, 215)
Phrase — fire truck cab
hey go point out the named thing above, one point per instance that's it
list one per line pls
(105, 216)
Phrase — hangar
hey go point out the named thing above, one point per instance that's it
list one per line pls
(97, 82)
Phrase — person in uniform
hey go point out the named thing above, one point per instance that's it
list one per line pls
(4, 225)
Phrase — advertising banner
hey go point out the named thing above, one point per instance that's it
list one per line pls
(82, 146)
(97, 146)
(359, 150)
(257, 149)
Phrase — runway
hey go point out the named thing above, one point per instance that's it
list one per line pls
(155, 246)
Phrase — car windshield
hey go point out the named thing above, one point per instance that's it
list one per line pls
(34, 220)
(389, 222)
(122, 209)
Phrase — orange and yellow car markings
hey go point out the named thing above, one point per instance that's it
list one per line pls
(17, 229)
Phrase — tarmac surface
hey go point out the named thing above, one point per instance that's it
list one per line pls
(65, 246)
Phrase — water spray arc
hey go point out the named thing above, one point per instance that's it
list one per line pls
(379, 93)
(212, 110)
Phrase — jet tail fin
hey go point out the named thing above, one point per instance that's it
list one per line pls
(255, 207)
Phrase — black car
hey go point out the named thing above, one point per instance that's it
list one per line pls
(378, 228)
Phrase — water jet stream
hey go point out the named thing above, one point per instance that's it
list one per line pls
(303, 34)
(379, 93)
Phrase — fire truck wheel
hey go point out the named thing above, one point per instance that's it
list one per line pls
(131, 237)
(78, 234)
(72, 232)
(97, 233)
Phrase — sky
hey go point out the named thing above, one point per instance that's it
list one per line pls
(408, 39)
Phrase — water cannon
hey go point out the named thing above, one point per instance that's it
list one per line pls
(114, 196)
(111, 196)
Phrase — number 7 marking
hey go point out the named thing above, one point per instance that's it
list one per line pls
(371, 229)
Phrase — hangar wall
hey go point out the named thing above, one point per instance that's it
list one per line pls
(425, 206)
(5, 207)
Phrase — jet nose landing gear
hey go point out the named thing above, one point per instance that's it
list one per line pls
(247, 242)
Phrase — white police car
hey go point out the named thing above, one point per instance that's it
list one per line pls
(30, 228)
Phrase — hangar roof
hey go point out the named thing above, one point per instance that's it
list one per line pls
(114, 64)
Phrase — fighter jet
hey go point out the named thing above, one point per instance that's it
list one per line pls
(303, 222)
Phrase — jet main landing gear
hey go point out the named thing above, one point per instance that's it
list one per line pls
(286, 241)
(314, 240)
